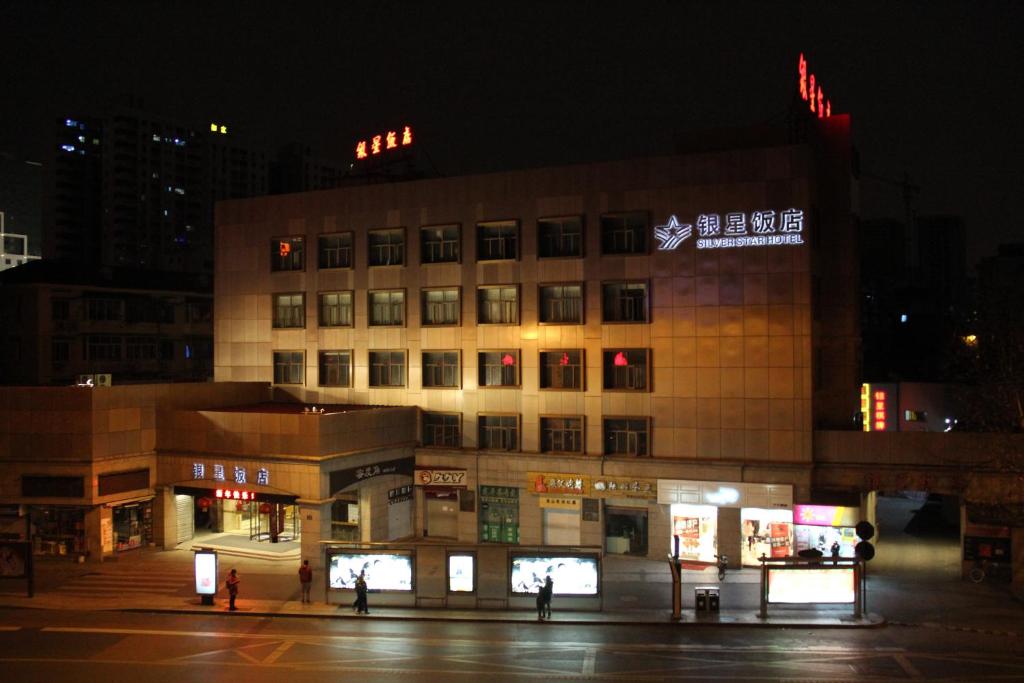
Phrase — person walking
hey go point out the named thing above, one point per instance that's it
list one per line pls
(361, 606)
(547, 590)
(305, 580)
(232, 585)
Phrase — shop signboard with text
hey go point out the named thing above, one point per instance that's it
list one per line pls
(440, 477)
(542, 483)
(624, 487)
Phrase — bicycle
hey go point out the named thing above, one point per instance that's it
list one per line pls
(985, 568)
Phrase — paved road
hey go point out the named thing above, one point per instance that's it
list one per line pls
(92, 646)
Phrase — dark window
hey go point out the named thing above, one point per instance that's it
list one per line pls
(289, 310)
(387, 307)
(499, 368)
(335, 251)
(441, 369)
(561, 369)
(561, 434)
(335, 369)
(498, 305)
(166, 349)
(60, 350)
(119, 482)
(60, 309)
(140, 348)
(199, 311)
(560, 237)
(104, 309)
(626, 369)
(52, 487)
(287, 253)
(387, 247)
(442, 429)
(289, 367)
(561, 304)
(624, 302)
(626, 436)
(440, 244)
(387, 368)
(497, 241)
(499, 432)
(624, 233)
(441, 307)
(103, 347)
(336, 309)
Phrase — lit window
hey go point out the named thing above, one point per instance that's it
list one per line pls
(626, 369)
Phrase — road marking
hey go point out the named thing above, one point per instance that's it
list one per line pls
(907, 667)
(281, 649)
(589, 661)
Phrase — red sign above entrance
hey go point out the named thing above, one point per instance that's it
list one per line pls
(231, 494)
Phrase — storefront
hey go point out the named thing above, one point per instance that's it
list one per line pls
(442, 488)
(499, 514)
(818, 527)
(626, 518)
(132, 525)
(739, 520)
(559, 496)
(58, 529)
(256, 515)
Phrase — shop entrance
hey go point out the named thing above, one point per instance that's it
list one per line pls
(625, 530)
(133, 525)
(201, 515)
(345, 518)
(442, 514)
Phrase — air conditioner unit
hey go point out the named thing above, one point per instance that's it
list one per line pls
(103, 380)
(84, 380)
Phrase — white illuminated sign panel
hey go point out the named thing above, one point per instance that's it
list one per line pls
(765, 228)
(206, 573)
(460, 573)
(809, 586)
(382, 571)
(573, 575)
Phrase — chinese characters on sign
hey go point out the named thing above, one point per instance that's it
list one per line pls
(380, 143)
(626, 488)
(738, 229)
(564, 484)
(400, 495)
(873, 408)
(239, 473)
(811, 92)
(231, 494)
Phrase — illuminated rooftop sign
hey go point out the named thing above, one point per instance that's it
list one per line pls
(218, 128)
(758, 229)
(384, 142)
(810, 91)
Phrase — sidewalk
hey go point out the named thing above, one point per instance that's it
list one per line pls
(155, 581)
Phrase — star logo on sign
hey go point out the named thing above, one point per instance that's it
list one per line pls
(672, 234)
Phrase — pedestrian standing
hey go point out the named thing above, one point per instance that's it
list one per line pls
(548, 590)
(232, 585)
(305, 580)
(540, 603)
(361, 606)
(835, 552)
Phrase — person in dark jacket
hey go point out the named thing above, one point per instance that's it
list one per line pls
(361, 606)
(546, 591)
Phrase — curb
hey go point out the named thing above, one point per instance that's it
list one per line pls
(958, 629)
(877, 623)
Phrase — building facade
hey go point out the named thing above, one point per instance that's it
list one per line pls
(583, 343)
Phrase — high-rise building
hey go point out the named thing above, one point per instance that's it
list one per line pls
(131, 189)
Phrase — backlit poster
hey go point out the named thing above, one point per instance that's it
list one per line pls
(206, 573)
(810, 586)
(460, 573)
(696, 526)
(382, 571)
(767, 532)
(573, 574)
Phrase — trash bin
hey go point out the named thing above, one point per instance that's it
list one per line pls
(713, 599)
(700, 599)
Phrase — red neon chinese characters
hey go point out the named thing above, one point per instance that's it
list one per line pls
(507, 359)
(361, 150)
(391, 139)
(375, 146)
(812, 92)
(821, 107)
(620, 359)
(284, 248)
(828, 108)
(802, 69)
(407, 135)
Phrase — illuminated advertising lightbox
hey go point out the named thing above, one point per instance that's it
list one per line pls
(825, 515)
(765, 532)
(810, 586)
(460, 573)
(382, 571)
(822, 537)
(696, 526)
(572, 574)
(206, 573)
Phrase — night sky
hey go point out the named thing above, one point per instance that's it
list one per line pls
(934, 88)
